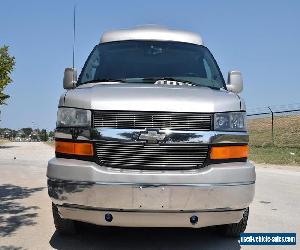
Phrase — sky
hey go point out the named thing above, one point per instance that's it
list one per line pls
(259, 38)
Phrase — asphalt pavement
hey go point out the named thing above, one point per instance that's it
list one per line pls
(26, 217)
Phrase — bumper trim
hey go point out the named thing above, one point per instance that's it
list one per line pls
(147, 185)
(151, 219)
(172, 136)
(83, 207)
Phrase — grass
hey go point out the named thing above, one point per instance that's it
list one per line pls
(275, 155)
(286, 147)
(286, 131)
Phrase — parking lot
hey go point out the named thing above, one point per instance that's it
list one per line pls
(26, 217)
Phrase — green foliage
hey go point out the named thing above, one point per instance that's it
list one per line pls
(51, 133)
(27, 131)
(275, 155)
(7, 133)
(7, 64)
(43, 135)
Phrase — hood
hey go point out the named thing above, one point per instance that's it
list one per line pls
(150, 97)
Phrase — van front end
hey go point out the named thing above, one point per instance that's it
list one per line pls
(149, 177)
(150, 135)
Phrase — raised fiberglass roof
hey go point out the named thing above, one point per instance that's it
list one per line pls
(151, 32)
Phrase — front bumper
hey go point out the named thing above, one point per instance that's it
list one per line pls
(85, 191)
(151, 197)
(215, 193)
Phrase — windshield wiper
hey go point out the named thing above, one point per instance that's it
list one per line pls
(104, 80)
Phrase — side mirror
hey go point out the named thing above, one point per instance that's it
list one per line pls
(70, 78)
(235, 81)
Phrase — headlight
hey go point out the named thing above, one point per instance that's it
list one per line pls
(72, 117)
(231, 121)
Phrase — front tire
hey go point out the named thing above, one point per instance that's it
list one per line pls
(63, 226)
(235, 229)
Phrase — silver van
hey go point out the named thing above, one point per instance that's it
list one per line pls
(150, 135)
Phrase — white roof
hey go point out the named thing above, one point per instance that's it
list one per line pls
(151, 32)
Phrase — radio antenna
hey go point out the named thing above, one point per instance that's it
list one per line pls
(74, 33)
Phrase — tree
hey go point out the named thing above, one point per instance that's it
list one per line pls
(13, 133)
(51, 134)
(27, 131)
(43, 135)
(7, 64)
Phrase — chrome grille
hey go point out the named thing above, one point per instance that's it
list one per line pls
(161, 120)
(151, 156)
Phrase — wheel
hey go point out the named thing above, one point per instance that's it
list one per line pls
(235, 229)
(63, 226)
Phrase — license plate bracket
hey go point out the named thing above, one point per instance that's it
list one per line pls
(151, 197)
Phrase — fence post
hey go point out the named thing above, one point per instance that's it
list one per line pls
(272, 113)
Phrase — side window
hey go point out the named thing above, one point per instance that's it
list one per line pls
(207, 69)
(91, 67)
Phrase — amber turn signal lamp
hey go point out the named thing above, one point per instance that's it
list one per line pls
(229, 152)
(74, 148)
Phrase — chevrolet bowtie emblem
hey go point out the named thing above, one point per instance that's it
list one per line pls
(151, 136)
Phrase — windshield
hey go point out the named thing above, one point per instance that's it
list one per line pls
(149, 61)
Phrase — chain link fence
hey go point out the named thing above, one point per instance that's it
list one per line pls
(275, 126)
